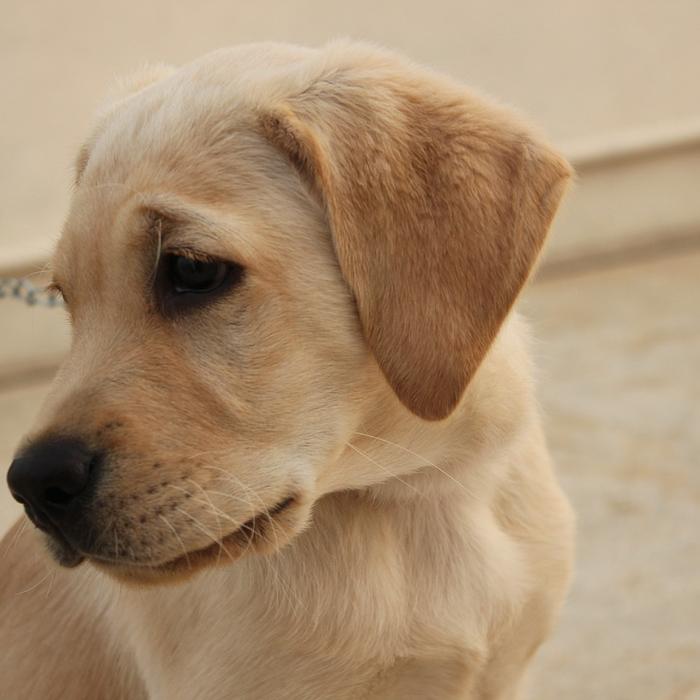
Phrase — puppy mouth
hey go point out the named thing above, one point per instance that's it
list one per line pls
(225, 550)
(245, 535)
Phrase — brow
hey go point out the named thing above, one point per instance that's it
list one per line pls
(171, 224)
(170, 218)
(175, 225)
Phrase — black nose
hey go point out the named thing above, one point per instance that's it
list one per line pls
(48, 477)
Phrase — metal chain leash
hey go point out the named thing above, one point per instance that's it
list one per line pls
(23, 290)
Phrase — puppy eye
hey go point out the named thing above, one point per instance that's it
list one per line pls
(189, 275)
(187, 282)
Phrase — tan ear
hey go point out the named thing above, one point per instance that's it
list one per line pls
(438, 205)
(123, 89)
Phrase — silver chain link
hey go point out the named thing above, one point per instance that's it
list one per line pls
(23, 290)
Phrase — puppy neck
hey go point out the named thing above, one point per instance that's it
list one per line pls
(395, 455)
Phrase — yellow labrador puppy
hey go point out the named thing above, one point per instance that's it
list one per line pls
(294, 450)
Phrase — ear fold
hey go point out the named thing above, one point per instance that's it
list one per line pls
(121, 91)
(438, 205)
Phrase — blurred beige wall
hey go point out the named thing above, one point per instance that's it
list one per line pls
(604, 79)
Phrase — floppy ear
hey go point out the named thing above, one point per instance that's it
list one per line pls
(123, 89)
(438, 204)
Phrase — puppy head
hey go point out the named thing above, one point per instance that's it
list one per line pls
(260, 246)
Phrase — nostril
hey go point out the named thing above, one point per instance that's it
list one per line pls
(92, 464)
(57, 497)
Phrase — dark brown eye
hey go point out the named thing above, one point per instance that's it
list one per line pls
(189, 275)
(187, 282)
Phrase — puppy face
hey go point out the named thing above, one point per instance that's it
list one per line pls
(217, 362)
(261, 246)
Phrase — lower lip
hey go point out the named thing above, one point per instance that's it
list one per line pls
(215, 549)
(199, 557)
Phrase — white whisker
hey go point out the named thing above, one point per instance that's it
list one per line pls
(383, 468)
(210, 505)
(266, 511)
(159, 249)
(215, 511)
(36, 585)
(203, 529)
(415, 454)
(179, 539)
(16, 536)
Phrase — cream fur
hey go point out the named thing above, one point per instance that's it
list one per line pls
(422, 558)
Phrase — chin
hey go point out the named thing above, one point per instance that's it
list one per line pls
(262, 534)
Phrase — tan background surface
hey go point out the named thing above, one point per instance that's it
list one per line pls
(587, 72)
(619, 338)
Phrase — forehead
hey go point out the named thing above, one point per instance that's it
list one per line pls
(193, 116)
(184, 153)
(179, 135)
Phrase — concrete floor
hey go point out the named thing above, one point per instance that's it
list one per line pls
(620, 387)
(618, 351)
